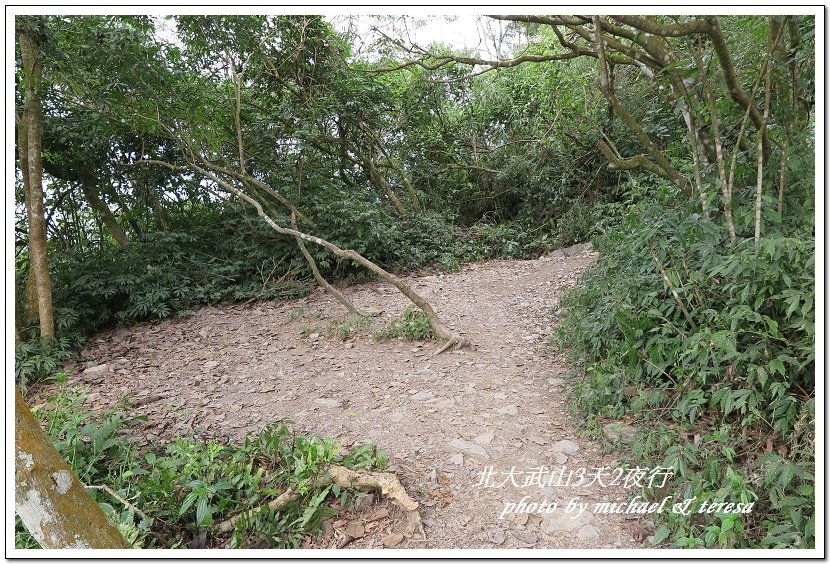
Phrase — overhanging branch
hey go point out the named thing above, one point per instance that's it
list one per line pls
(629, 163)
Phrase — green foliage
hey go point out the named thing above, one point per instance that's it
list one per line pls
(674, 323)
(217, 258)
(36, 360)
(413, 326)
(187, 246)
(577, 225)
(350, 326)
(729, 361)
(176, 492)
(97, 449)
(90, 444)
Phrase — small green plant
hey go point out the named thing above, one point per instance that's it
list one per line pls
(337, 329)
(307, 330)
(449, 263)
(168, 494)
(295, 314)
(350, 326)
(413, 326)
(35, 360)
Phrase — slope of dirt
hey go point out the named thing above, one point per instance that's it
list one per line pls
(444, 420)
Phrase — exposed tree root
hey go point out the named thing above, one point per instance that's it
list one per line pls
(385, 482)
(451, 344)
(284, 499)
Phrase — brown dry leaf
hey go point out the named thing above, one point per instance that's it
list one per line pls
(393, 540)
(379, 514)
(442, 496)
(355, 530)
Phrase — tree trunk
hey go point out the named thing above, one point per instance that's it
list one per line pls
(379, 180)
(375, 176)
(30, 290)
(112, 192)
(50, 500)
(663, 165)
(782, 176)
(155, 205)
(93, 197)
(18, 318)
(38, 260)
(726, 187)
(772, 47)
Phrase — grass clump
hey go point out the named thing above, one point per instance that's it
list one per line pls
(412, 326)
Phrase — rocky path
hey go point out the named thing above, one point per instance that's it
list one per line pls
(469, 432)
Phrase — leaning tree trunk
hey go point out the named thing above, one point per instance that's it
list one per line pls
(93, 198)
(441, 331)
(50, 500)
(332, 291)
(38, 260)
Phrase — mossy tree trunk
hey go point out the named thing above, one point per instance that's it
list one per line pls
(50, 500)
(33, 179)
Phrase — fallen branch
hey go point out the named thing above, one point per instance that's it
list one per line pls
(441, 331)
(385, 482)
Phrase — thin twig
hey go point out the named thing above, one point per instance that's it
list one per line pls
(663, 372)
(119, 498)
(672, 288)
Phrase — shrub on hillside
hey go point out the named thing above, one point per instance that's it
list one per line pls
(711, 347)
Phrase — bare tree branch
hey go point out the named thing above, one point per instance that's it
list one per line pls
(664, 30)
(441, 331)
(734, 84)
(334, 292)
(668, 170)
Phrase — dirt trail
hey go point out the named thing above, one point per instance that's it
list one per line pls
(228, 371)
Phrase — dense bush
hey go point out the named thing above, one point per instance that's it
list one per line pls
(710, 347)
(220, 256)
